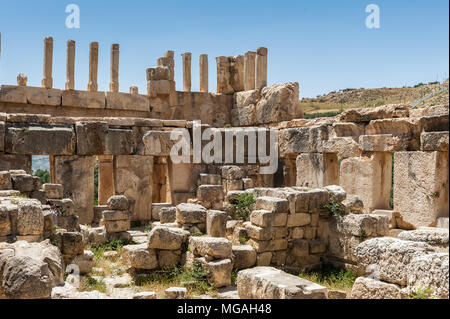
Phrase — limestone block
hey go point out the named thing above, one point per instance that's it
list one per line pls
(435, 123)
(76, 174)
(318, 197)
(317, 246)
(210, 179)
(301, 219)
(53, 191)
(22, 182)
(293, 141)
(218, 272)
(91, 137)
(389, 214)
(216, 223)
(175, 293)
(258, 233)
(261, 218)
(145, 295)
(160, 87)
(190, 213)
(85, 262)
(272, 204)
(262, 246)
(30, 218)
(353, 204)
(280, 220)
(369, 177)
(72, 243)
(5, 180)
(430, 271)
(369, 288)
(167, 215)
(118, 202)
(210, 246)
(70, 223)
(232, 185)
(380, 143)
(167, 238)
(158, 143)
(442, 222)
(168, 258)
(405, 130)
(244, 257)
(433, 236)
(389, 257)
(133, 178)
(139, 257)
(279, 102)
(37, 140)
(15, 162)
(125, 101)
(421, 187)
(156, 209)
(317, 170)
(110, 215)
(271, 283)
(119, 142)
(117, 226)
(2, 136)
(346, 129)
(231, 172)
(434, 141)
(5, 222)
(83, 99)
(344, 147)
(159, 73)
(210, 193)
(263, 259)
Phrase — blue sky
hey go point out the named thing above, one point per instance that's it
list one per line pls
(323, 45)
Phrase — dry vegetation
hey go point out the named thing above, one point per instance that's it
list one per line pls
(334, 102)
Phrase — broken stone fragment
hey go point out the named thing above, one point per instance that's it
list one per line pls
(118, 202)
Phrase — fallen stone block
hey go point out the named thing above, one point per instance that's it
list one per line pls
(433, 236)
(271, 283)
(218, 272)
(156, 207)
(168, 259)
(117, 226)
(244, 257)
(139, 257)
(369, 288)
(167, 238)
(210, 193)
(118, 202)
(167, 215)
(210, 246)
(216, 223)
(5, 180)
(85, 262)
(53, 191)
(175, 293)
(145, 295)
(190, 214)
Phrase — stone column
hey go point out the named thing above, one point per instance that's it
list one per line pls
(249, 70)
(70, 65)
(223, 75)
(76, 175)
(105, 178)
(93, 67)
(134, 90)
(203, 73)
(261, 68)
(187, 71)
(114, 84)
(47, 81)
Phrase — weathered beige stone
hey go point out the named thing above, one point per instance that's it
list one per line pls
(261, 68)
(369, 288)
(249, 70)
(434, 141)
(218, 272)
(244, 257)
(76, 174)
(70, 65)
(5, 180)
(380, 143)
(211, 246)
(421, 187)
(47, 80)
(261, 218)
(53, 191)
(167, 215)
(369, 114)
(272, 204)
(83, 99)
(262, 246)
(216, 223)
(317, 170)
(139, 257)
(133, 178)
(344, 147)
(271, 283)
(125, 101)
(369, 177)
(175, 293)
(191, 213)
(40, 140)
(166, 238)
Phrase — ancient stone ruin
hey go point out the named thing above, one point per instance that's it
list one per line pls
(366, 191)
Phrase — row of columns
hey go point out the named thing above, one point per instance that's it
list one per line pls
(47, 81)
(255, 70)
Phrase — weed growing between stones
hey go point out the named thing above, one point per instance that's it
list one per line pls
(242, 206)
(420, 293)
(335, 208)
(331, 277)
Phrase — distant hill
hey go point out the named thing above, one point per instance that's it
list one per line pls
(359, 98)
